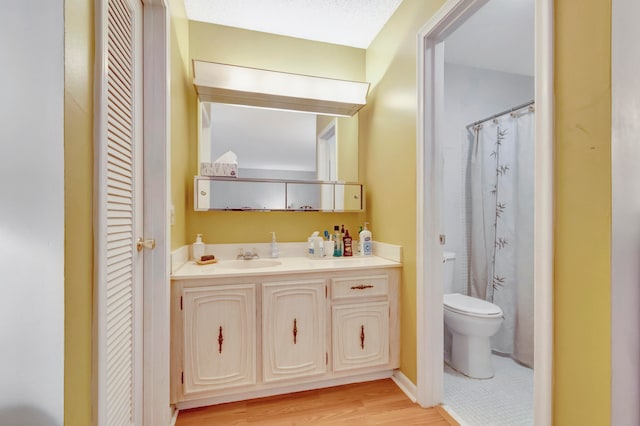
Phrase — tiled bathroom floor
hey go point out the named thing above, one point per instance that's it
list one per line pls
(506, 399)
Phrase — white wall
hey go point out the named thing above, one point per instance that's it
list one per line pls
(625, 244)
(32, 213)
(471, 94)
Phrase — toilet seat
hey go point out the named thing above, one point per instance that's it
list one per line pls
(466, 305)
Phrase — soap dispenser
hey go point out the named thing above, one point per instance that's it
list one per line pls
(274, 246)
(197, 249)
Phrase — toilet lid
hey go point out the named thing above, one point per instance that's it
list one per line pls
(470, 305)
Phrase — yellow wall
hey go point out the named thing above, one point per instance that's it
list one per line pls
(583, 212)
(388, 151)
(78, 180)
(347, 135)
(260, 50)
(183, 123)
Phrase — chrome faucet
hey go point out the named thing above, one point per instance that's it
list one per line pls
(247, 255)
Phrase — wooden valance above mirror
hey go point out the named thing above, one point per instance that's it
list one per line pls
(238, 85)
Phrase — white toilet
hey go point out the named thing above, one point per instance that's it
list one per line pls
(469, 324)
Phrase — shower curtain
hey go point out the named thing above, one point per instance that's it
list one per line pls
(501, 239)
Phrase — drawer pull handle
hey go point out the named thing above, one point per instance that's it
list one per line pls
(220, 340)
(361, 287)
(362, 337)
(295, 331)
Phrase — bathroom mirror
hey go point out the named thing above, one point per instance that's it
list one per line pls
(280, 144)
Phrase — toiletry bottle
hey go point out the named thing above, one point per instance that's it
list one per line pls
(359, 243)
(366, 242)
(311, 244)
(274, 246)
(318, 247)
(347, 246)
(337, 251)
(197, 248)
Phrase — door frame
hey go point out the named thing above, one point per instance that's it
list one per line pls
(625, 229)
(430, 64)
(156, 157)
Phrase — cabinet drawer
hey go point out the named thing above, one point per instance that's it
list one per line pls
(353, 287)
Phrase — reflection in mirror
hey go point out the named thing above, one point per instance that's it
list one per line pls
(279, 144)
(262, 194)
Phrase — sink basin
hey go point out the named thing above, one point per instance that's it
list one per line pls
(249, 264)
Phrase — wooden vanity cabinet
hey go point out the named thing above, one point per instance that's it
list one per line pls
(236, 338)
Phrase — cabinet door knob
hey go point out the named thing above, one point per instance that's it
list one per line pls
(362, 336)
(295, 331)
(220, 340)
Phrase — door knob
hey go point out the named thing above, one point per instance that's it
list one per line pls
(150, 244)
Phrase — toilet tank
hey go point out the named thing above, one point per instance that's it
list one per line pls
(448, 266)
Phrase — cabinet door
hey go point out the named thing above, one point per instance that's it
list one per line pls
(293, 336)
(360, 335)
(219, 337)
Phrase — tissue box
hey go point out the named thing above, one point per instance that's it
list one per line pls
(219, 169)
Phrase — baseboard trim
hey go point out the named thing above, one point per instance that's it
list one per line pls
(242, 396)
(405, 385)
(174, 417)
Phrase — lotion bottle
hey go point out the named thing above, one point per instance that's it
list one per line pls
(197, 248)
(274, 246)
(366, 241)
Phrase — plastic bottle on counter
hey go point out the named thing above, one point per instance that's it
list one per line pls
(347, 244)
(337, 250)
(365, 241)
(197, 248)
(274, 246)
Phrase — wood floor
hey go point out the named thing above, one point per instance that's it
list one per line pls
(373, 403)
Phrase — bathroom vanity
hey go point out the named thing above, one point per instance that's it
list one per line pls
(243, 330)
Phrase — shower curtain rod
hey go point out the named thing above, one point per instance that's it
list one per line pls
(475, 123)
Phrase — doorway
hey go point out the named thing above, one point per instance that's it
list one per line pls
(431, 133)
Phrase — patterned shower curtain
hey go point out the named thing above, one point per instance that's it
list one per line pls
(501, 240)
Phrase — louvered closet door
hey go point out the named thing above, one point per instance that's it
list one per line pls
(119, 198)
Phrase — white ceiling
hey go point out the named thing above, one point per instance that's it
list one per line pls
(499, 36)
(346, 22)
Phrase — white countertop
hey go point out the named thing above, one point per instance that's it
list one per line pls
(232, 268)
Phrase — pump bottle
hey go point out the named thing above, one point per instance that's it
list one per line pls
(274, 246)
(197, 249)
(366, 241)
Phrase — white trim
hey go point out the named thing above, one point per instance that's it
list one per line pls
(98, 373)
(174, 417)
(543, 215)
(428, 250)
(156, 406)
(246, 395)
(625, 228)
(405, 385)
